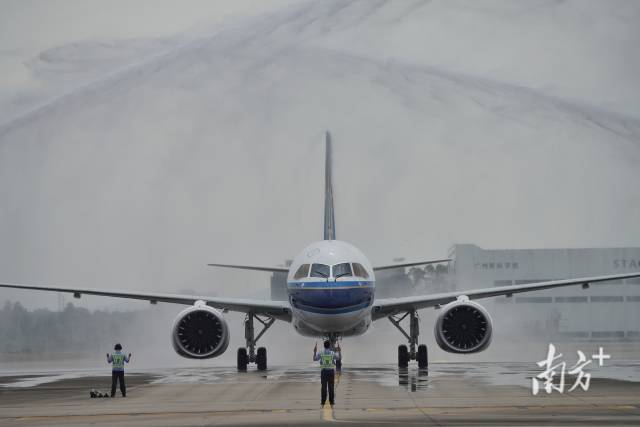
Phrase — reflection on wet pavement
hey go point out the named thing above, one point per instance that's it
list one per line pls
(413, 380)
(410, 379)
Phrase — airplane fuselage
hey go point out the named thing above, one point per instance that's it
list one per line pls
(331, 288)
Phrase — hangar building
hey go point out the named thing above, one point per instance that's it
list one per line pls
(610, 310)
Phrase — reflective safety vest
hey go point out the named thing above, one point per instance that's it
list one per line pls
(327, 359)
(118, 361)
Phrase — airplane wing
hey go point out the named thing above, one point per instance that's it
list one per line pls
(252, 267)
(277, 309)
(389, 306)
(410, 264)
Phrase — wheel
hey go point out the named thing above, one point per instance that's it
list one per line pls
(403, 356)
(422, 356)
(261, 359)
(243, 359)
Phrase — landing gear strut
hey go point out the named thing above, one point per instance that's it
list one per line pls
(248, 354)
(333, 339)
(406, 354)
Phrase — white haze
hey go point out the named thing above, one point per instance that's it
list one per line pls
(139, 141)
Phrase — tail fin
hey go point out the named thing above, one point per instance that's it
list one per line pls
(329, 217)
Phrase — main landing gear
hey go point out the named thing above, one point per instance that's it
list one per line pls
(248, 354)
(406, 354)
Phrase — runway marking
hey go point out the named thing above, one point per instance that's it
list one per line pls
(327, 412)
(438, 410)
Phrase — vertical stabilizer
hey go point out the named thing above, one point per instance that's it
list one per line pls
(329, 217)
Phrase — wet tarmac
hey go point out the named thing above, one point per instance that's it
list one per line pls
(446, 394)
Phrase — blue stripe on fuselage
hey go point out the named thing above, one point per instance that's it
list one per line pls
(331, 297)
(342, 310)
(323, 285)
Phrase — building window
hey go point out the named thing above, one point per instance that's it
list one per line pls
(502, 283)
(526, 282)
(572, 299)
(574, 334)
(607, 299)
(606, 334)
(303, 271)
(534, 299)
(633, 298)
(634, 281)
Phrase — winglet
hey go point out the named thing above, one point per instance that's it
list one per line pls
(329, 217)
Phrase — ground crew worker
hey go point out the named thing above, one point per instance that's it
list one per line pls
(327, 358)
(117, 359)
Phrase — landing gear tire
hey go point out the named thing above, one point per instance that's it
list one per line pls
(261, 359)
(422, 356)
(403, 356)
(243, 359)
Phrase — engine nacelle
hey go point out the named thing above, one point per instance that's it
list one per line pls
(200, 332)
(463, 327)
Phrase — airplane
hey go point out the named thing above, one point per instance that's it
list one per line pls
(331, 294)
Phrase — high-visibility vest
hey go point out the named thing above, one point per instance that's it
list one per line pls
(327, 359)
(118, 361)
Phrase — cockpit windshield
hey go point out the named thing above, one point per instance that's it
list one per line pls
(341, 270)
(303, 271)
(360, 271)
(320, 270)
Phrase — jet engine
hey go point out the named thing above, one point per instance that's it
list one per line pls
(200, 332)
(463, 327)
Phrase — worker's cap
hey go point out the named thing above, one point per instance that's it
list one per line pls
(117, 347)
(327, 344)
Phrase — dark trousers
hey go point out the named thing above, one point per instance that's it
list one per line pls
(115, 377)
(326, 381)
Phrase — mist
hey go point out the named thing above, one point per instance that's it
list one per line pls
(148, 140)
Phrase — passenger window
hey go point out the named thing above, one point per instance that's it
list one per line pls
(303, 271)
(341, 270)
(359, 270)
(319, 270)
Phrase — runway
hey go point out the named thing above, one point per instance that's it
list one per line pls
(449, 394)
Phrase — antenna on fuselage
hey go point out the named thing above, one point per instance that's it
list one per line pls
(329, 217)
